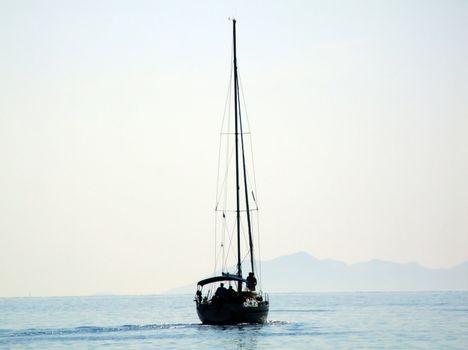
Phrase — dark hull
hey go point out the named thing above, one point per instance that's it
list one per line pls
(228, 313)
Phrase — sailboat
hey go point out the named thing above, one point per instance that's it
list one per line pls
(243, 301)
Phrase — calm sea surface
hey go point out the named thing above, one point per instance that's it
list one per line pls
(429, 320)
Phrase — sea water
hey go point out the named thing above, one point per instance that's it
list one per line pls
(428, 320)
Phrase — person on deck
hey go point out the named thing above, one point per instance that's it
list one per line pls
(198, 296)
(251, 282)
(221, 293)
(231, 293)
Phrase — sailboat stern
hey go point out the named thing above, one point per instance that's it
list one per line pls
(232, 313)
(227, 306)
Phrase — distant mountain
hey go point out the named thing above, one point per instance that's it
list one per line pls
(306, 273)
(301, 272)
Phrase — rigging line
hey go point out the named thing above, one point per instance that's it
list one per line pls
(251, 183)
(248, 123)
(249, 128)
(229, 250)
(230, 234)
(228, 156)
(254, 178)
(232, 133)
(226, 103)
(245, 257)
(228, 166)
(219, 257)
(254, 190)
(225, 224)
(223, 189)
(254, 183)
(228, 95)
(243, 100)
(259, 250)
(215, 244)
(225, 178)
(236, 91)
(246, 242)
(246, 194)
(222, 244)
(249, 180)
(223, 251)
(225, 230)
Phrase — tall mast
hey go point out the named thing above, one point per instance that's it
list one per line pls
(246, 192)
(236, 98)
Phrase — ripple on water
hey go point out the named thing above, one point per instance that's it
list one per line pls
(32, 332)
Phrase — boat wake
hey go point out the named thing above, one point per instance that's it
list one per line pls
(32, 332)
(95, 330)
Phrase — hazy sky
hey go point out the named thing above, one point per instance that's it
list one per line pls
(109, 121)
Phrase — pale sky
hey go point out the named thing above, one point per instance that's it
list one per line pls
(109, 120)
